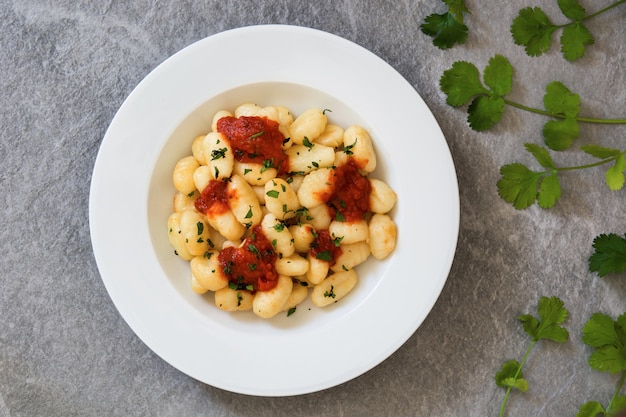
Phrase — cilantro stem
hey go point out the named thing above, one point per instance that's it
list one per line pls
(592, 15)
(617, 3)
(595, 164)
(562, 116)
(517, 373)
(574, 168)
(620, 384)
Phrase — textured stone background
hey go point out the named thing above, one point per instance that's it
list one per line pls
(67, 65)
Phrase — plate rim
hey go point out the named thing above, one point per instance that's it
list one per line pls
(133, 317)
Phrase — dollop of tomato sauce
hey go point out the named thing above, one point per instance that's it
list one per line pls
(255, 139)
(250, 266)
(213, 200)
(349, 200)
(326, 248)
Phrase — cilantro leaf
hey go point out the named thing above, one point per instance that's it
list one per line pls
(608, 337)
(591, 409)
(484, 112)
(498, 75)
(510, 375)
(445, 30)
(551, 315)
(541, 154)
(518, 185)
(572, 9)
(560, 134)
(615, 174)
(549, 186)
(574, 39)
(608, 358)
(533, 29)
(461, 83)
(549, 191)
(609, 254)
(457, 8)
(600, 331)
(559, 99)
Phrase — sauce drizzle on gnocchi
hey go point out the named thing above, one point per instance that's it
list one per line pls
(272, 209)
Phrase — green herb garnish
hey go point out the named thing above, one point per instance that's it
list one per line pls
(547, 326)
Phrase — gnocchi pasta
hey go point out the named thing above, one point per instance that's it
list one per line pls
(272, 209)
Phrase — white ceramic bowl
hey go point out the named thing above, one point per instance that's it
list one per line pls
(131, 199)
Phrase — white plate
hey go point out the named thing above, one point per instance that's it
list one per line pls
(131, 198)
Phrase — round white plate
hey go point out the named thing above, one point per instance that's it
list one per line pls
(131, 199)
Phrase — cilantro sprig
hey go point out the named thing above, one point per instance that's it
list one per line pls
(609, 254)
(608, 339)
(462, 85)
(448, 28)
(518, 184)
(533, 29)
(552, 314)
(522, 187)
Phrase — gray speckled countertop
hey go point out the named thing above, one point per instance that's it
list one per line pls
(66, 67)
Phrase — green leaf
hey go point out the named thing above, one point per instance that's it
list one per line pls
(484, 112)
(591, 409)
(551, 315)
(549, 191)
(560, 134)
(609, 254)
(574, 39)
(498, 75)
(608, 337)
(533, 30)
(541, 154)
(608, 358)
(572, 9)
(324, 256)
(518, 185)
(559, 99)
(600, 331)
(457, 8)
(461, 83)
(445, 30)
(600, 151)
(510, 375)
(615, 174)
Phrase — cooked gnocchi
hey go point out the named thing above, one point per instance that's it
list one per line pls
(272, 209)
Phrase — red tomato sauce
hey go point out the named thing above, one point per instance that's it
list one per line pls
(251, 266)
(213, 200)
(350, 196)
(255, 139)
(326, 248)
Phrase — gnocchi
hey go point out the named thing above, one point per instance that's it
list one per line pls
(272, 209)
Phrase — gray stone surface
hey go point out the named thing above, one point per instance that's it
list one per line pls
(67, 65)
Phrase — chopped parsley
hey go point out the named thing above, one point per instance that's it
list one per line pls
(348, 149)
(324, 256)
(256, 135)
(218, 153)
(330, 293)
